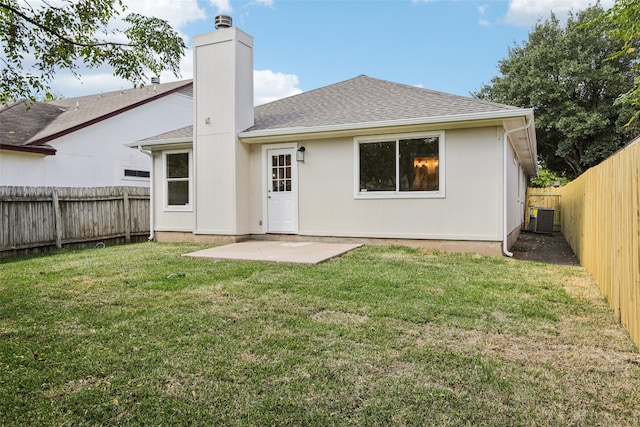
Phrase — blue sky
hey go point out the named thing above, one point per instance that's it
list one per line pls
(447, 45)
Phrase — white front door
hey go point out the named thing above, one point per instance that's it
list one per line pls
(282, 191)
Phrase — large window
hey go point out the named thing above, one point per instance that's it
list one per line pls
(404, 166)
(177, 173)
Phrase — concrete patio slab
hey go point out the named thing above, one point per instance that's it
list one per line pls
(296, 252)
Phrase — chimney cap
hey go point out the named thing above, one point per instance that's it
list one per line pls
(223, 21)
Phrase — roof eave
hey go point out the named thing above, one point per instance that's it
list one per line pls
(33, 149)
(525, 144)
(261, 136)
(106, 116)
(161, 143)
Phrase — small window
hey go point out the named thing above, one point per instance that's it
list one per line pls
(407, 166)
(132, 173)
(177, 172)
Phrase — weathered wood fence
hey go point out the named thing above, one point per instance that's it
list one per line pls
(601, 222)
(37, 219)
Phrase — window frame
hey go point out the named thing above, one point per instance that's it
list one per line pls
(166, 180)
(397, 194)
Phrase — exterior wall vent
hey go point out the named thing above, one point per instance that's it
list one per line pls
(223, 21)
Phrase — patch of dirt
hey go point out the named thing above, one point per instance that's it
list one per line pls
(542, 247)
(340, 318)
(76, 386)
(569, 353)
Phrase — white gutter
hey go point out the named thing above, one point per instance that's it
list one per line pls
(501, 114)
(151, 210)
(164, 143)
(504, 182)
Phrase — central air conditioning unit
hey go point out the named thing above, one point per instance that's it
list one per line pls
(541, 220)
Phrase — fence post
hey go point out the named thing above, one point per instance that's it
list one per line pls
(127, 218)
(57, 219)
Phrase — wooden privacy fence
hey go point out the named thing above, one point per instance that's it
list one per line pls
(545, 198)
(36, 219)
(601, 222)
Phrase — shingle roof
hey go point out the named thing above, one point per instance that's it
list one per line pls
(362, 99)
(365, 99)
(182, 133)
(18, 123)
(26, 130)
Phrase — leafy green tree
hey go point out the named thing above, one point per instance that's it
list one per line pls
(547, 178)
(568, 75)
(37, 42)
(621, 21)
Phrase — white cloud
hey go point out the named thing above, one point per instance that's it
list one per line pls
(526, 12)
(94, 82)
(177, 13)
(222, 6)
(186, 69)
(482, 21)
(269, 86)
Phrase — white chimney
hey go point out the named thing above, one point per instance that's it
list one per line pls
(223, 107)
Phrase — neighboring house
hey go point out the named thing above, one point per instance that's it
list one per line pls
(364, 158)
(77, 142)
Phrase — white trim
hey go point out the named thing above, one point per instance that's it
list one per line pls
(165, 206)
(440, 194)
(502, 114)
(264, 183)
(161, 143)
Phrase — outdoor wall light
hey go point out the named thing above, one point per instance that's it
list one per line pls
(300, 154)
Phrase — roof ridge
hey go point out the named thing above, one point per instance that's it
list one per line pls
(311, 91)
(439, 92)
(177, 84)
(389, 82)
(365, 99)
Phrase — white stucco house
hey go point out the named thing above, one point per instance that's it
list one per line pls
(77, 142)
(363, 159)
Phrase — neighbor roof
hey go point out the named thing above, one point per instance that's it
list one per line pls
(365, 99)
(29, 129)
(19, 122)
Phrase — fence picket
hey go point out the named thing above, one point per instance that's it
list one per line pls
(35, 219)
(601, 221)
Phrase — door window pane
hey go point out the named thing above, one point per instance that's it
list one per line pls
(281, 172)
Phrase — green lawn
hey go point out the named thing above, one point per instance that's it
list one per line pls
(138, 335)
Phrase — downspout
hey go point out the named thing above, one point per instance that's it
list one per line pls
(505, 230)
(151, 210)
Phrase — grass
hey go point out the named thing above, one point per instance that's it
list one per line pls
(138, 335)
